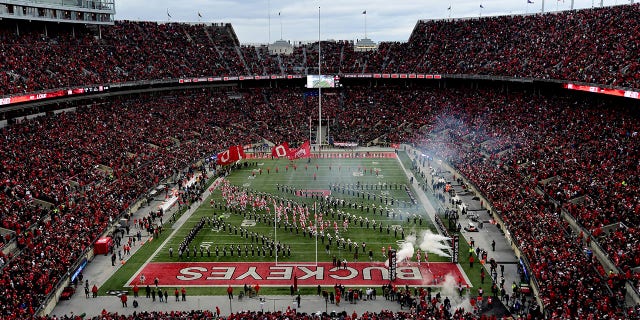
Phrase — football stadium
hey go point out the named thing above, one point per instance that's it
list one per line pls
(484, 168)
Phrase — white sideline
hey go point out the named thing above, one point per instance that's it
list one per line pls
(176, 227)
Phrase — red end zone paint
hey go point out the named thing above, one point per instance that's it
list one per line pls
(219, 274)
(334, 155)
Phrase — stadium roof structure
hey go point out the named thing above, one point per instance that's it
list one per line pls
(365, 44)
(98, 12)
(281, 47)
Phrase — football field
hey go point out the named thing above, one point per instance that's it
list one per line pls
(276, 223)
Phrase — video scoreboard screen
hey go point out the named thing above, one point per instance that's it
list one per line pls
(323, 81)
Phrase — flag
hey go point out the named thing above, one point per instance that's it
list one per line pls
(168, 15)
(481, 7)
(364, 12)
(199, 14)
(529, 1)
(281, 150)
(303, 152)
(230, 156)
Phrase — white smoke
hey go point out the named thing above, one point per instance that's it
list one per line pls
(431, 243)
(405, 252)
(450, 288)
(434, 243)
(406, 249)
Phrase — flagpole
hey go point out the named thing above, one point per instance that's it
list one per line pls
(365, 24)
(309, 128)
(279, 16)
(316, 216)
(269, 19)
(542, 6)
(319, 88)
(328, 130)
(275, 229)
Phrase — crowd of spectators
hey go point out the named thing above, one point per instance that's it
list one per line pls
(85, 168)
(533, 156)
(566, 45)
(290, 314)
(127, 51)
(358, 115)
(90, 165)
(259, 61)
(591, 45)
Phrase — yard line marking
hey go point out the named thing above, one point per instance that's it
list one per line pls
(184, 218)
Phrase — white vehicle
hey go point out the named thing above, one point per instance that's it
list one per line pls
(471, 227)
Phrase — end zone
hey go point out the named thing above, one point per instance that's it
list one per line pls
(222, 274)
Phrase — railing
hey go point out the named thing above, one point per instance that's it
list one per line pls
(600, 253)
(79, 90)
(52, 298)
(84, 4)
(87, 253)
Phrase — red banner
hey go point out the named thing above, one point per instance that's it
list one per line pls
(51, 94)
(281, 150)
(241, 151)
(607, 91)
(222, 274)
(36, 96)
(303, 152)
(230, 156)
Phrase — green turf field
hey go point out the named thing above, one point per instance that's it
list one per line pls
(353, 180)
(346, 172)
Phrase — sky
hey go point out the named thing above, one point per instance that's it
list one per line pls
(265, 21)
